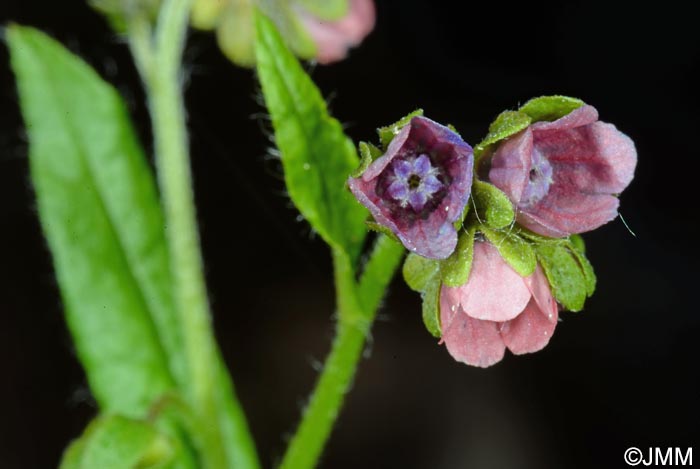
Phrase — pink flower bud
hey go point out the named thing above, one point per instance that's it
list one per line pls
(334, 38)
(563, 176)
(496, 309)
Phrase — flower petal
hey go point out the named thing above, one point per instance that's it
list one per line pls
(560, 215)
(577, 118)
(538, 285)
(422, 166)
(494, 291)
(469, 340)
(510, 165)
(334, 38)
(530, 331)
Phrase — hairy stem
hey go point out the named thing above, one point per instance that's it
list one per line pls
(209, 391)
(354, 322)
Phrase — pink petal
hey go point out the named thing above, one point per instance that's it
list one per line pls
(510, 165)
(494, 291)
(334, 38)
(561, 215)
(468, 340)
(578, 117)
(595, 159)
(538, 285)
(530, 331)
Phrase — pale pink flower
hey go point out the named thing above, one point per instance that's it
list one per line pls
(564, 176)
(334, 38)
(496, 309)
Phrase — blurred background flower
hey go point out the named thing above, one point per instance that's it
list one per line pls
(323, 30)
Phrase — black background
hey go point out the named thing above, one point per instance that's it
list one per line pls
(622, 373)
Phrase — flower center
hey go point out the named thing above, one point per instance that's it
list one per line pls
(540, 180)
(414, 182)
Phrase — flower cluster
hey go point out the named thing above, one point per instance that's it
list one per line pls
(493, 231)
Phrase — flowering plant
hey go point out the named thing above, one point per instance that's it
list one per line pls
(491, 231)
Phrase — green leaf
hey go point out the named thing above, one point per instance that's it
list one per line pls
(116, 442)
(431, 306)
(100, 213)
(368, 153)
(327, 10)
(506, 124)
(550, 108)
(418, 271)
(454, 270)
(564, 274)
(516, 251)
(492, 206)
(387, 134)
(316, 155)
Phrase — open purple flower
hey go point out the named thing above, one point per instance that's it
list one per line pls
(563, 176)
(419, 187)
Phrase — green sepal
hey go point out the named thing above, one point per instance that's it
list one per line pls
(387, 134)
(376, 227)
(423, 275)
(516, 251)
(454, 271)
(326, 10)
(116, 442)
(418, 271)
(565, 274)
(578, 243)
(431, 306)
(578, 249)
(368, 153)
(453, 129)
(550, 108)
(507, 123)
(493, 208)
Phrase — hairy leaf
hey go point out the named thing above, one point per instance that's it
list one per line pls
(316, 155)
(100, 213)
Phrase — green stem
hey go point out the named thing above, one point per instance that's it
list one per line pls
(158, 58)
(354, 322)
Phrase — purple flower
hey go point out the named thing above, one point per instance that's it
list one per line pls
(419, 187)
(563, 176)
